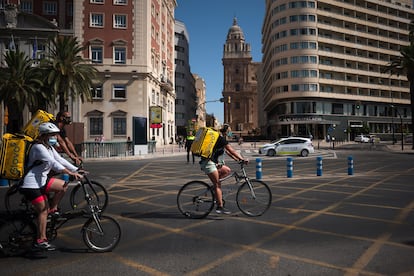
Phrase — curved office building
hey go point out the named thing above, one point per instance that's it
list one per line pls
(323, 68)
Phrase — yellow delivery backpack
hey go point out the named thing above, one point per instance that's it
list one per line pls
(204, 142)
(13, 153)
(32, 127)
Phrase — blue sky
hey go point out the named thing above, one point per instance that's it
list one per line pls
(207, 23)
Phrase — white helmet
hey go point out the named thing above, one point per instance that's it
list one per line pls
(48, 128)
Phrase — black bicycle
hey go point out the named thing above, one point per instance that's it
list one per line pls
(97, 193)
(18, 231)
(196, 199)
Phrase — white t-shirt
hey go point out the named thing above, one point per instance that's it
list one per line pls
(51, 160)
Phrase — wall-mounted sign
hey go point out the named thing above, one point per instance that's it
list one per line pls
(155, 116)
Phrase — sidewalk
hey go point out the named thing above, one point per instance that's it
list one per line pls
(175, 150)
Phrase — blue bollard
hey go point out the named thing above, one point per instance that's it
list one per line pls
(319, 166)
(4, 182)
(258, 168)
(289, 167)
(350, 165)
(65, 177)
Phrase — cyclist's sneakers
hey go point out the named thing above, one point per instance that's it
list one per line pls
(222, 210)
(44, 245)
(54, 213)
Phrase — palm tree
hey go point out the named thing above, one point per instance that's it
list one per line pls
(68, 74)
(21, 84)
(404, 65)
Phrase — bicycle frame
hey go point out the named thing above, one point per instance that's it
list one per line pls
(240, 177)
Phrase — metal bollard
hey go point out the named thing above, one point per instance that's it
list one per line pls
(258, 168)
(289, 167)
(350, 165)
(4, 182)
(319, 166)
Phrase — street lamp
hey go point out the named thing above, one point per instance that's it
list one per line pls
(402, 133)
(222, 100)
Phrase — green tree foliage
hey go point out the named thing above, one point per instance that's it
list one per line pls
(68, 73)
(404, 65)
(21, 82)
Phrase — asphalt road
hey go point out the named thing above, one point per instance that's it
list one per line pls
(334, 224)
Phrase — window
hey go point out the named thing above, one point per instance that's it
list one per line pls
(119, 55)
(26, 6)
(96, 54)
(97, 92)
(119, 21)
(97, 1)
(119, 126)
(49, 8)
(119, 91)
(96, 20)
(337, 108)
(120, 2)
(96, 126)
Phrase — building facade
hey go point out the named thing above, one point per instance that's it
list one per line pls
(201, 101)
(186, 98)
(27, 33)
(131, 43)
(240, 83)
(323, 68)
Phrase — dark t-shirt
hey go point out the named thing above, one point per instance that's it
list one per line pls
(219, 148)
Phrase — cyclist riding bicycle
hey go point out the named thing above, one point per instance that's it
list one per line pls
(215, 167)
(36, 184)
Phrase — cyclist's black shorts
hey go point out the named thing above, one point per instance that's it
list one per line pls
(39, 194)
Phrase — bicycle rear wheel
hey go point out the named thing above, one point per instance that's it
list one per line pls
(103, 241)
(13, 200)
(97, 192)
(195, 199)
(17, 236)
(254, 201)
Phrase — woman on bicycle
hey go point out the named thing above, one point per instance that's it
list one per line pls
(215, 167)
(36, 184)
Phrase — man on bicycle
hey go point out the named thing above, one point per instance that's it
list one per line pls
(215, 167)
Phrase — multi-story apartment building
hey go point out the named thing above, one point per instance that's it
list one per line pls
(323, 67)
(186, 98)
(131, 43)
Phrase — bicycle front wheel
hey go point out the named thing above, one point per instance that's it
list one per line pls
(102, 233)
(195, 199)
(97, 193)
(254, 198)
(16, 236)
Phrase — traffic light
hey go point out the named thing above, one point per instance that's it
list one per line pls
(358, 105)
(228, 99)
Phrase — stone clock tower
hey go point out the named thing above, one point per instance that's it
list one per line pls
(240, 83)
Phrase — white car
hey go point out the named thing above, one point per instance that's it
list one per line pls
(288, 146)
(362, 138)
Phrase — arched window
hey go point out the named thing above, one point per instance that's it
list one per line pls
(237, 87)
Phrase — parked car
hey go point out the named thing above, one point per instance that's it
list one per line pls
(362, 138)
(288, 146)
(409, 138)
